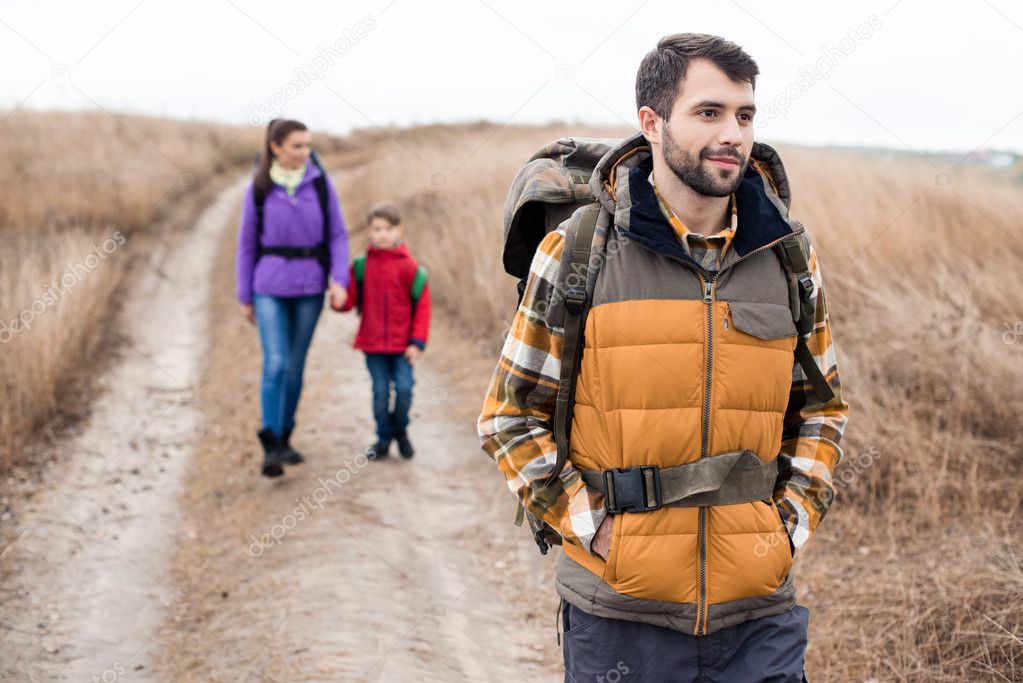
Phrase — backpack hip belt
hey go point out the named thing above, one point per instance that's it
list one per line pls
(318, 251)
(725, 479)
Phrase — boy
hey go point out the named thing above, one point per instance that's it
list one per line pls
(390, 290)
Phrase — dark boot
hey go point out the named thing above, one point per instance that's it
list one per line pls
(405, 446)
(291, 456)
(273, 453)
(378, 450)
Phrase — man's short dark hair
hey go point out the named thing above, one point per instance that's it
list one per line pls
(664, 68)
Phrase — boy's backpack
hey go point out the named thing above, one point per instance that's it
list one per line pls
(554, 184)
(321, 250)
(415, 290)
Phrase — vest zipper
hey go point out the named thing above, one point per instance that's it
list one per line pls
(708, 299)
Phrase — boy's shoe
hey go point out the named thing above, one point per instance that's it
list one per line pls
(377, 450)
(273, 453)
(405, 446)
(291, 456)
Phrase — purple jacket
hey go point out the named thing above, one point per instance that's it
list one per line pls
(293, 222)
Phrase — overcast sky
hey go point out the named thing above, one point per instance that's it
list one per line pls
(909, 74)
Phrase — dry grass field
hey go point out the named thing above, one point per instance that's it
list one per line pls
(917, 572)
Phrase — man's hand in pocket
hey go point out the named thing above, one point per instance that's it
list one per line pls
(601, 543)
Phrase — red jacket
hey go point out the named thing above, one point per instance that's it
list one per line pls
(389, 322)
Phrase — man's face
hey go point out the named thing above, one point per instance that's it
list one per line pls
(708, 137)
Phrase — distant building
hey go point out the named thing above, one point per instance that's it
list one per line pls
(985, 157)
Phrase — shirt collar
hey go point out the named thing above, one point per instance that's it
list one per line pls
(724, 236)
(290, 178)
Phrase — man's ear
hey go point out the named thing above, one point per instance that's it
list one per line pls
(650, 124)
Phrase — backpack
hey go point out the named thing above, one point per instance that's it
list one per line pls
(321, 250)
(416, 289)
(553, 185)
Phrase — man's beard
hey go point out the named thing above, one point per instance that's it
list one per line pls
(690, 169)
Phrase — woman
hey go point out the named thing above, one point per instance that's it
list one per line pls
(292, 247)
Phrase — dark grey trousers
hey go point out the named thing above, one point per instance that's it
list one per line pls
(603, 650)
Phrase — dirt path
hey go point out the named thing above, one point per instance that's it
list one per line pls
(85, 580)
(163, 555)
(358, 570)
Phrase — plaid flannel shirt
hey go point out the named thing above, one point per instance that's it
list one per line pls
(518, 410)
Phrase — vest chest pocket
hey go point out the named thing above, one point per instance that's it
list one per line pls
(761, 320)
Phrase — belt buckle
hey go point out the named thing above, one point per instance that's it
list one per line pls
(625, 489)
(575, 299)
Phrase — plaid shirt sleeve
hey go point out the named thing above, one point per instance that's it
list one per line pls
(811, 432)
(515, 425)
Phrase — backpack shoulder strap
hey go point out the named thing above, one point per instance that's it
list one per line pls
(794, 256)
(359, 270)
(259, 198)
(322, 193)
(359, 266)
(576, 304)
(577, 300)
(418, 283)
(320, 183)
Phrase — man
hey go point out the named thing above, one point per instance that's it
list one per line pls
(689, 361)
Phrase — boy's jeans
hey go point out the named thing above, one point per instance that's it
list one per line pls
(286, 325)
(385, 368)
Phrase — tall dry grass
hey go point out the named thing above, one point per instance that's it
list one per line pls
(915, 575)
(72, 170)
(80, 190)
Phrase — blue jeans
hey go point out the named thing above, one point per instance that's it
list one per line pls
(767, 648)
(386, 368)
(286, 325)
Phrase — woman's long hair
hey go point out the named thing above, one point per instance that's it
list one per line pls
(276, 131)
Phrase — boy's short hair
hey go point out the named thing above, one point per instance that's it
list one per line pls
(386, 210)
